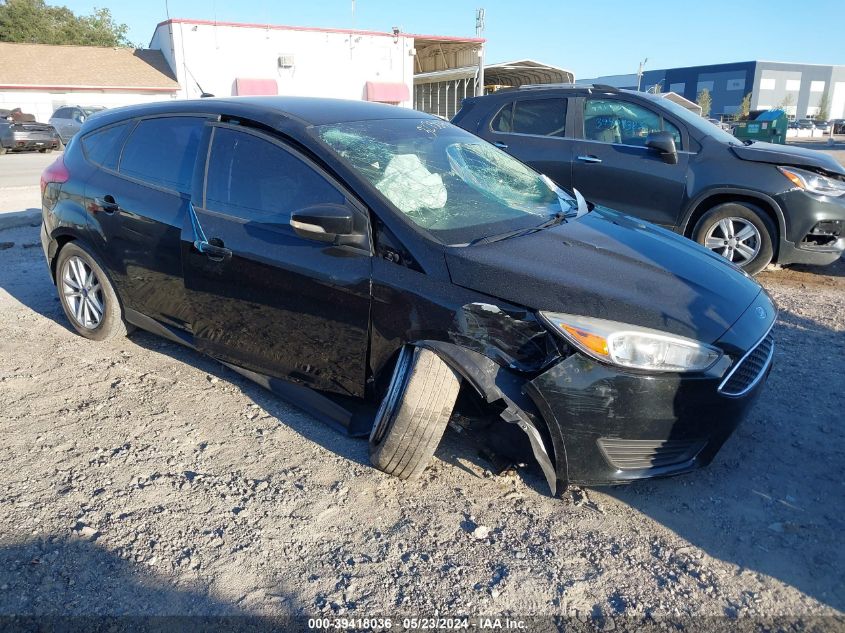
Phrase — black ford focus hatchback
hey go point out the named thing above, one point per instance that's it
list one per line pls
(382, 268)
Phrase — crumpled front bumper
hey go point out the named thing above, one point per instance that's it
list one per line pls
(610, 425)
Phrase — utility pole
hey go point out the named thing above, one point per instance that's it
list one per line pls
(640, 73)
(479, 32)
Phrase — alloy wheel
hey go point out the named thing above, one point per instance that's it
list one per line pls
(735, 239)
(83, 293)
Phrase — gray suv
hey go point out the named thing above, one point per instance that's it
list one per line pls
(68, 119)
(751, 202)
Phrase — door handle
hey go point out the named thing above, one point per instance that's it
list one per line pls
(501, 145)
(589, 158)
(214, 249)
(106, 204)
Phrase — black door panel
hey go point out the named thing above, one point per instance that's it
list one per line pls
(635, 180)
(613, 167)
(264, 298)
(533, 130)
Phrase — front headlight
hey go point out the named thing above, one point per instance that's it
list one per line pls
(813, 182)
(632, 346)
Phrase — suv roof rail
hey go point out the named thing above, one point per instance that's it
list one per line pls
(541, 86)
(587, 87)
(605, 88)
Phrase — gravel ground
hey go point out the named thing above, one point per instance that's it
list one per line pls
(141, 478)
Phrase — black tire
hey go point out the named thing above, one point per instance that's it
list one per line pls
(111, 324)
(46, 150)
(737, 213)
(414, 413)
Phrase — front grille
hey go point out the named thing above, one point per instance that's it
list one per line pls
(750, 369)
(639, 454)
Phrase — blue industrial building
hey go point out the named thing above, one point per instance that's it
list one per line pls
(798, 88)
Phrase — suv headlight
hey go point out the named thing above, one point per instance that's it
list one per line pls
(813, 182)
(632, 346)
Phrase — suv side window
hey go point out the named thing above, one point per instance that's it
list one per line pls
(162, 151)
(539, 117)
(623, 122)
(62, 113)
(102, 147)
(252, 178)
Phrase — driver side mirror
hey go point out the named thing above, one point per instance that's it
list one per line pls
(664, 144)
(325, 223)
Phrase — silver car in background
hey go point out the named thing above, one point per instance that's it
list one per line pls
(68, 119)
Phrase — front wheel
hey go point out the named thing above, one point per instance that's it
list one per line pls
(87, 295)
(738, 232)
(414, 413)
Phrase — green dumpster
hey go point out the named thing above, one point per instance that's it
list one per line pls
(763, 125)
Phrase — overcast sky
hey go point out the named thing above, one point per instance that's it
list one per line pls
(590, 38)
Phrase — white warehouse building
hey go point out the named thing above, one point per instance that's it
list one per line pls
(226, 58)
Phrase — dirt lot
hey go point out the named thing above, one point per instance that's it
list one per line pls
(142, 478)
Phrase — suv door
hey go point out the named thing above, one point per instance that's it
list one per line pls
(138, 201)
(534, 131)
(60, 120)
(613, 167)
(275, 303)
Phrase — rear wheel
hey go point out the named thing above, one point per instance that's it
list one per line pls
(414, 413)
(738, 232)
(87, 295)
(46, 150)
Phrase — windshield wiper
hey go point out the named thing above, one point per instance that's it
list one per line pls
(556, 219)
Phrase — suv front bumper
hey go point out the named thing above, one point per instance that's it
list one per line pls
(815, 230)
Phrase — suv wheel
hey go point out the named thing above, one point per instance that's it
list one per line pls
(414, 413)
(87, 295)
(738, 232)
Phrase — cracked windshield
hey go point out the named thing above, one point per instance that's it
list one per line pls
(444, 179)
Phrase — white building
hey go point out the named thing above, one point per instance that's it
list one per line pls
(40, 78)
(226, 58)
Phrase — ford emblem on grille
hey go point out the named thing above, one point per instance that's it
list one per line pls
(761, 312)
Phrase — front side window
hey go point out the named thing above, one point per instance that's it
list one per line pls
(162, 151)
(623, 122)
(444, 179)
(254, 179)
(539, 117)
(102, 147)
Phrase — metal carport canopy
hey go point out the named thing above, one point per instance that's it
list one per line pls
(525, 72)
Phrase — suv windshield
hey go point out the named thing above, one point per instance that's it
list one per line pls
(446, 180)
(699, 123)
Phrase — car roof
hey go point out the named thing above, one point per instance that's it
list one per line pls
(271, 111)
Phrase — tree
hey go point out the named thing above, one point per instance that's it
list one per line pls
(824, 107)
(705, 101)
(744, 108)
(788, 101)
(35, 21)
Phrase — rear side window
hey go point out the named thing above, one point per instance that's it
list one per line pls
(539, 117)
(62, 113)
(254, 179)
(162, 151)
(103, 146)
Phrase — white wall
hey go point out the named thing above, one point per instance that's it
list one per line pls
(42, 104)
(326, 64)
